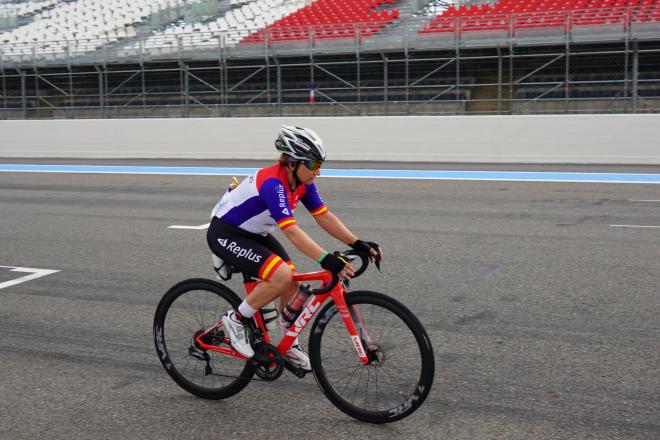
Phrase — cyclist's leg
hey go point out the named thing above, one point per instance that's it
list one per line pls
(295, 355)
(245, 252)
(279, 283)
(257, 257)
(274, 245)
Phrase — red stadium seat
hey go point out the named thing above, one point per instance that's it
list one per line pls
(331, 19)
(530, 14)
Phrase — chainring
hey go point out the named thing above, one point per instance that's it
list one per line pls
(267, 361)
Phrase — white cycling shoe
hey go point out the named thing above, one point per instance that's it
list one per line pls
(298, 358)
(236, 329)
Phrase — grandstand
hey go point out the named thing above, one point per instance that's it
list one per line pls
(127, 58)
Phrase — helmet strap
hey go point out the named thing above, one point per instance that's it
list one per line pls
(294, 170)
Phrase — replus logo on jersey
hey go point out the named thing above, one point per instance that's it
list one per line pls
(240, 252)
(281, 195)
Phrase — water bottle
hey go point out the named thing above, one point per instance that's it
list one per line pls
(292, 310)
(269, 315)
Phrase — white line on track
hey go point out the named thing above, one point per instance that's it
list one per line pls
(635, 226)
(631, 200)
(189, 227)
(35, 273)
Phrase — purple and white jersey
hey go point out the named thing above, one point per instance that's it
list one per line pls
(264, 200)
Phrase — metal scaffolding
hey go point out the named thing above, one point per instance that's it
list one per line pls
(613, 77)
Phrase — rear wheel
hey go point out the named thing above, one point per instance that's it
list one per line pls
(185, 311)
(400, 372)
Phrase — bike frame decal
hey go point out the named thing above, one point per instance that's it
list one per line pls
(301, 322)
(313, 306)
(357, 319)
(352, 329)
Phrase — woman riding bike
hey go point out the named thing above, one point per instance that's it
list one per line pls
(244, 218)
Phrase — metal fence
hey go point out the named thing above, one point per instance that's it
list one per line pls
(395, 73)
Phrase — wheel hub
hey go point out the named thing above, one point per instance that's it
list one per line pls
(375, 353)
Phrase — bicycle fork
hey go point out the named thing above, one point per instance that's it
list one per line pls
(355, 327)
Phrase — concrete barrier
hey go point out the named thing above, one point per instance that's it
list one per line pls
(629, 139)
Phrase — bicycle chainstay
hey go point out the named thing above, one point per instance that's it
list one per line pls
(268, 363)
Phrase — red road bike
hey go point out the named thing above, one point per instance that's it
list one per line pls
(370, 355)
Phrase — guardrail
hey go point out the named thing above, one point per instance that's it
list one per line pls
(544, 139)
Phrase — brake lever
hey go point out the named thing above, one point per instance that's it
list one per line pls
(377, 263)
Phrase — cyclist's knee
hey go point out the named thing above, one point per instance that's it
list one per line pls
(282, 278)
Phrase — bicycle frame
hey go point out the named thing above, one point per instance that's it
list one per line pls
(312, 306)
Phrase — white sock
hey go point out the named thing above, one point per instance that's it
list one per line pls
(246, 310)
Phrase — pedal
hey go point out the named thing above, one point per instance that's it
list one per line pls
(297, 371)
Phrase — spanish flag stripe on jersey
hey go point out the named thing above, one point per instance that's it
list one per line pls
(269, 267)
(322, 210)
(286, 222)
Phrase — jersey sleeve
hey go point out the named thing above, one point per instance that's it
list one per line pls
(312, 201)
(274, 195)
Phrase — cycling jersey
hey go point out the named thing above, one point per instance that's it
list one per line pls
(265, 199)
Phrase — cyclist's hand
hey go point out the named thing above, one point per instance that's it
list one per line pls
(337, 265)
(368, 248)
(347, 273)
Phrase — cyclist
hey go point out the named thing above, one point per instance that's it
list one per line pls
(243, 220)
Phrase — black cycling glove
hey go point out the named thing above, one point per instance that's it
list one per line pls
(364, 247)
(333, 263)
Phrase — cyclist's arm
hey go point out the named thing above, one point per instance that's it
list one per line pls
(333, 226)
(303, 242)
(275, 197)
(307, 246)
(325, 219)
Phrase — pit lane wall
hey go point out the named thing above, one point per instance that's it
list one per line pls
(610, 139)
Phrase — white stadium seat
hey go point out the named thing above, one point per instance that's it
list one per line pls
(89, 24)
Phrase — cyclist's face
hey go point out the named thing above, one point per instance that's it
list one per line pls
(306, 175)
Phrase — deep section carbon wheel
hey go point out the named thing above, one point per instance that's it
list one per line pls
(187, 310)
(401, 366)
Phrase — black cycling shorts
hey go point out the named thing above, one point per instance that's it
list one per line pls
(256, 256)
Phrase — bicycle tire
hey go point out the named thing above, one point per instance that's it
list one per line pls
(415, 392)
(176, 292)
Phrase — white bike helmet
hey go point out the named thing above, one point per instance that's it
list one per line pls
(300, 143)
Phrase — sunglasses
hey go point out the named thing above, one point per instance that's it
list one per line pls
(313, 165)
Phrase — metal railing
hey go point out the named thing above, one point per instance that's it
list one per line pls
(469, 70)
(612, 24)
(585, 79)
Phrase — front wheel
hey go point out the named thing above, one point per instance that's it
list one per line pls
(400, 373)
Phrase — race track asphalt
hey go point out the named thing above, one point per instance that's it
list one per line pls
(545, 319)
